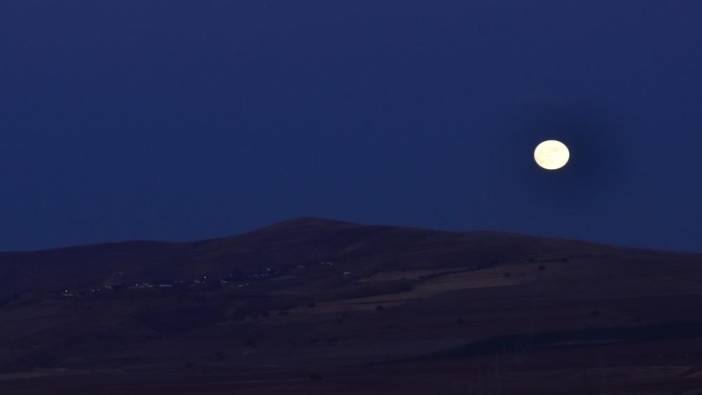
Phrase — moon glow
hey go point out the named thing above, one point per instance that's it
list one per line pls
(551, 155)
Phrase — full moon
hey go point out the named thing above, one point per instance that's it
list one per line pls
(551, 155)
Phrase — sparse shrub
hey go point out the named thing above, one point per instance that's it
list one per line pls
(341, 318)
(180, 318)
(379, 307)
(12, 298)
(367, 290)
(251, 343)
(315, 376)
(119, 287)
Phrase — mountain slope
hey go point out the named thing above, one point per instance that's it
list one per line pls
(389, 307)
(282, 246)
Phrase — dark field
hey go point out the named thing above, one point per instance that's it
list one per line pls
(322, 307)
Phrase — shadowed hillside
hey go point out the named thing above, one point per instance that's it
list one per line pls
(329, 306)
(282, 246)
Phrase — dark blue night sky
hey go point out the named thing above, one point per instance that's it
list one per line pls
(177, 120)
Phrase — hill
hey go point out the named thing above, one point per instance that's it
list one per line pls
(318, 305)
(282, 246)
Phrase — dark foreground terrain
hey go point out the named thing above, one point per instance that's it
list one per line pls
(323, 307)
